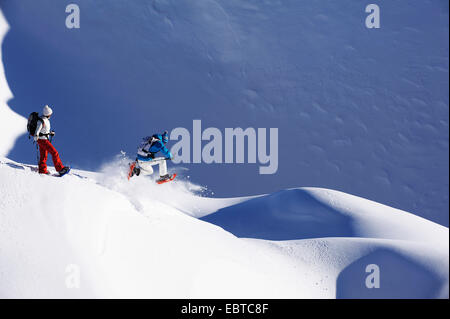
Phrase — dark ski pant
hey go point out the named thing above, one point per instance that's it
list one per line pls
(46, 147)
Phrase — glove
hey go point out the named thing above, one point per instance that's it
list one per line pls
(35, 138)
(52, 133)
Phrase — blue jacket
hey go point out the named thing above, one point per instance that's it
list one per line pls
(155, 147)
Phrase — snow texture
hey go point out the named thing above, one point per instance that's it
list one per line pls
(129, 239)
(363, 111)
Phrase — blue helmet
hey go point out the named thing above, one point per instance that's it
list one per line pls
(165, 137)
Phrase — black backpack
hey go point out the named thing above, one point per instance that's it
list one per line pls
(151, 139)
(32, 123)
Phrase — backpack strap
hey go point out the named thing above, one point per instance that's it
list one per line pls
(153, 140)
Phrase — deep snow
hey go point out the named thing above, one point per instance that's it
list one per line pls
(129, 240)
(361, 111)
(139, 239)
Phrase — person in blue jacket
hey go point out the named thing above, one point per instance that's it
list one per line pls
(146, 156)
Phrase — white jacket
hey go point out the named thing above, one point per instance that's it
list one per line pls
(43, 127)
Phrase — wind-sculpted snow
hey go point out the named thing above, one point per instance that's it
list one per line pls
(411, 252)
(361, 110)
(139, 239)
(312, 212)
(364, 111)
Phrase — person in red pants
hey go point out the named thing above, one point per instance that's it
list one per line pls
(41, 136)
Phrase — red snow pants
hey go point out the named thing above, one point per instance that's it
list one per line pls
(46, 147)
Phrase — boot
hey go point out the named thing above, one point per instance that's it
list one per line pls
(64, 171)
(163, 178)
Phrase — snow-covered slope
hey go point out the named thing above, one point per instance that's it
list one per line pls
(367, 113)
(363, 111)
(129, 239)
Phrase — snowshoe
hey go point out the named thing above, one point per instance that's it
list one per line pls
(134, 170)
(166, 178)
(64, 171)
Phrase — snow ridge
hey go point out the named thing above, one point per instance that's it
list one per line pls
(129, 240)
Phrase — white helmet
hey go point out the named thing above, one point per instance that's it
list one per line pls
(47, 111)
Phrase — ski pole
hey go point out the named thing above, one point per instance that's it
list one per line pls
(37, 154)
